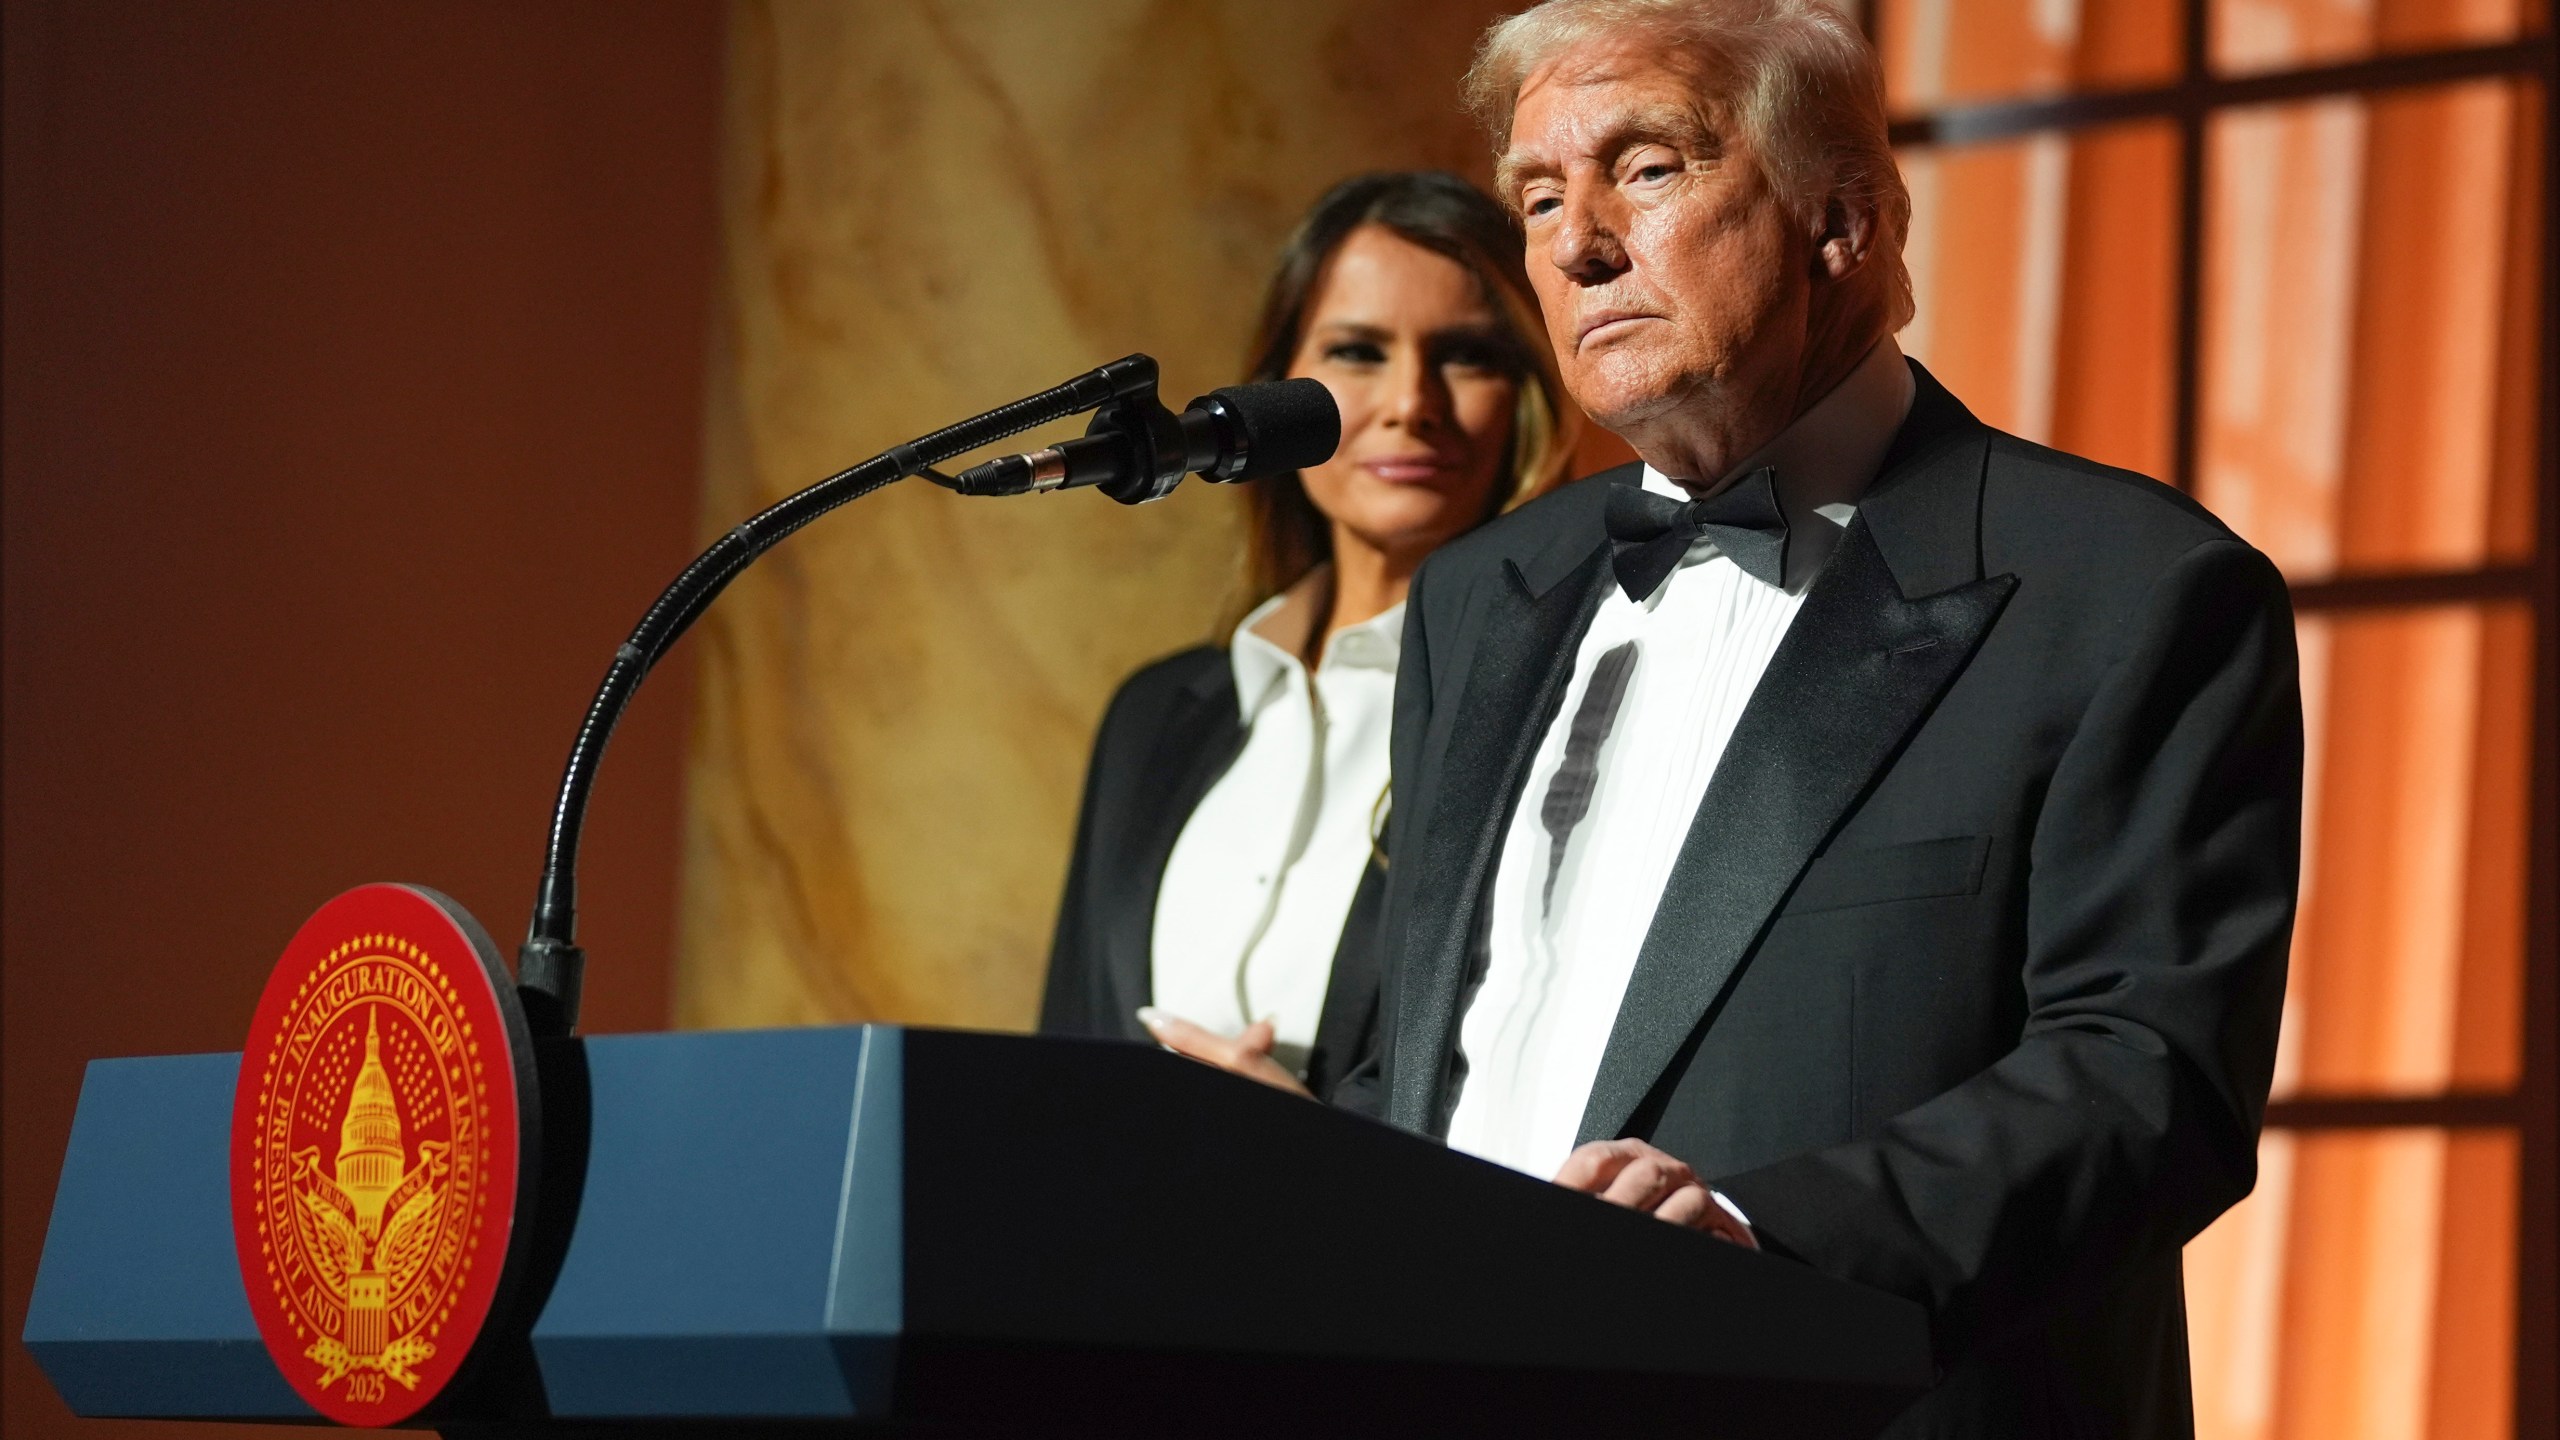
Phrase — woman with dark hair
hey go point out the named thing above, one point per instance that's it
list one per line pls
(1223, 895)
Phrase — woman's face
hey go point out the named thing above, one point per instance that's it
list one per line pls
(1418, 361)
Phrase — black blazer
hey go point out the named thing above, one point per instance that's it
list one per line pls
(1170, 733)
(1965, 982)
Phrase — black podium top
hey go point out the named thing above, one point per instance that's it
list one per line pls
(873, 1229)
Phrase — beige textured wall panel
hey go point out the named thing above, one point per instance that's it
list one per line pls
(930, 209)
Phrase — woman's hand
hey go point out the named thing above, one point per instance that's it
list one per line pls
(1248, 1054)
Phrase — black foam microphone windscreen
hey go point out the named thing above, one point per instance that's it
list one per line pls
(1288, 424)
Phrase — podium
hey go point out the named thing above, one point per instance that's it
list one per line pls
(874, 1230)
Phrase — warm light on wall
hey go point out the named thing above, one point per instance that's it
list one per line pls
(2176, 242)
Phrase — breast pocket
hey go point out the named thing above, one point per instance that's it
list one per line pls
(1916, 871)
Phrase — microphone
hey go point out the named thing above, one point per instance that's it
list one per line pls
(1137, 450)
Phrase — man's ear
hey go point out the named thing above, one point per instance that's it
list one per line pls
(1848, 232)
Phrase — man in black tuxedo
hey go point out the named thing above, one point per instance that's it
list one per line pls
(1857, 832)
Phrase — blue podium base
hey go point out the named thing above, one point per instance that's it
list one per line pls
(870, 1228)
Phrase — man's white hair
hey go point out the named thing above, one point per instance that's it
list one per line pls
(1798, 79)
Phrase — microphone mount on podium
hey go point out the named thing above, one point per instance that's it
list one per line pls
(1135, 450)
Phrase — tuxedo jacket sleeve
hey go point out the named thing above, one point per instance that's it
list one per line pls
(1167, 736)
(1160, 746)
(2161, 893)
(1966, 979)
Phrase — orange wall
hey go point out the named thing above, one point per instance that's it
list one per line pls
(353, 394)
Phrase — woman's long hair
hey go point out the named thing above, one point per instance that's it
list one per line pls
(1286, 535)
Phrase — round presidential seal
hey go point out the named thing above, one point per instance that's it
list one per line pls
(381, 1150)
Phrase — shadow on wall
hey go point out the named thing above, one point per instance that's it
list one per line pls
(354, 373)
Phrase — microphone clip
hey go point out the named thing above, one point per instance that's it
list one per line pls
(1153, 453)
(1134, 450)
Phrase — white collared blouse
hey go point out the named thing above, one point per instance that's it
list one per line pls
(1253, 898)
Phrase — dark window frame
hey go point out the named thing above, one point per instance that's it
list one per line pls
(2531, 1110)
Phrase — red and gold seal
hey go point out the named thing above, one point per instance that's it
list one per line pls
(378, 1150)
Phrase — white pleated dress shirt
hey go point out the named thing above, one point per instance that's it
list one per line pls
(1534, 1033)
(1253, 898)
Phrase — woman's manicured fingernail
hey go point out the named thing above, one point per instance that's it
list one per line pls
(1151, 1017)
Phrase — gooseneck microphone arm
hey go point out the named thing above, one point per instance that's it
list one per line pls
(550, 966)
(1136, 450)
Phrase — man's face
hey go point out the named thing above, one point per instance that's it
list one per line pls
(1674, 283)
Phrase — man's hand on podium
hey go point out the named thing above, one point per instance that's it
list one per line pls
(1640, 1177)
(1248, 1054)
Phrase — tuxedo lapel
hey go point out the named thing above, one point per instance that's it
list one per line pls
(1860, 667)
(1202, 734)
(1530, 625)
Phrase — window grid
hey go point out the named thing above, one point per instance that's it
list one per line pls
(2530, 1110)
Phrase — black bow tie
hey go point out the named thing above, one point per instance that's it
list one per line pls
(1648, 533)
